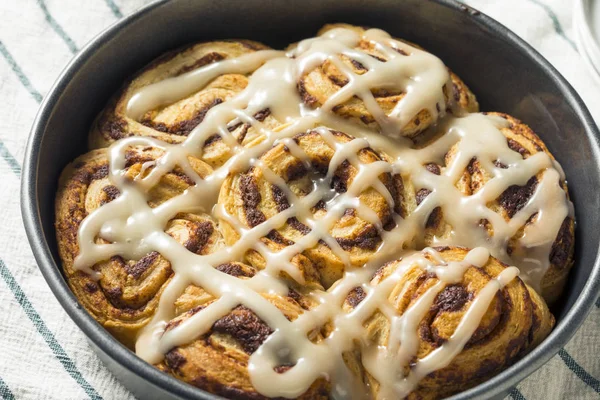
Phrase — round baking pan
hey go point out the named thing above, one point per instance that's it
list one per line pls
(505, 73)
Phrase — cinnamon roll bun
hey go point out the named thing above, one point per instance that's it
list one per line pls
(320, 84)
(126, 293)
(512, 323)
(218, 360)
(173, 121)
(258, 194)
(521, 140)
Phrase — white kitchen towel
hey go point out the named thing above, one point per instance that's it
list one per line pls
(43, 355)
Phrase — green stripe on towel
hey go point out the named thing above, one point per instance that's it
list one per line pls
(515, 394)
(19, 72)
(5, 392)
(114, 8)
(57, 28)
(10, 160)
(48, 336)
(579, 371)
(557, 26)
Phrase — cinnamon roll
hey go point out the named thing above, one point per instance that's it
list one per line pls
(173, 121)
(260, 193)
(512, 323)
(218, 360)
(320, 84)
(126, 294)
(521, 140)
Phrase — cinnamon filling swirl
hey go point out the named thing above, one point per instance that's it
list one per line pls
(302, 167)
(318, 85)
(513, 316)
(122, 292)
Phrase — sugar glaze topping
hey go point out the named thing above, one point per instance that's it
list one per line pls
(134, 229)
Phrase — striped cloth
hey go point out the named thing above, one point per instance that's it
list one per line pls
(43, 355)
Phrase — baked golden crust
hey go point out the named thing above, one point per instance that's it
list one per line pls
(319, 84)
(173, 123)
(521, 139)
(125, 297)
(218, 360)
(513, 324)
(252, 199)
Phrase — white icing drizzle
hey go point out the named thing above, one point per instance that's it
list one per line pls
(133, 228)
